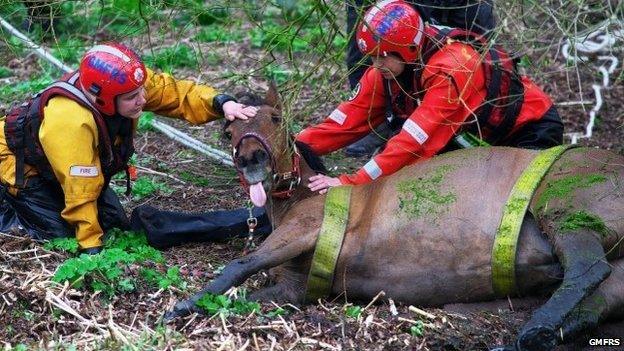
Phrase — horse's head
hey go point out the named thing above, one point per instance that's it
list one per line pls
(263, 152)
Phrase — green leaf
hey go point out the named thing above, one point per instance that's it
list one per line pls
(417, 329)
(62, 244)
(145, 122)
(276, 312)
(353, 311)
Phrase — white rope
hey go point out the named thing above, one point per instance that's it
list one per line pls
(576, 49)
(193, 143)
(38, 49)
(169, 131)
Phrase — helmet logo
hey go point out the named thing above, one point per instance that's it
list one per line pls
(362, 44)
(389, 20)
(138, 75)
(107, 69)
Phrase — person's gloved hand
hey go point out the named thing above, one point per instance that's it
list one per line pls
(233, 110)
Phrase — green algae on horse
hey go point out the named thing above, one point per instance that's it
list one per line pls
(424, 196)
(562, 188)
(428, 261)
(582, 219)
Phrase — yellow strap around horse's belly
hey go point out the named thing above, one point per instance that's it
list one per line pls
(505, 243)
(329, 242)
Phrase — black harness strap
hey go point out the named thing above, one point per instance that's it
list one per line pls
(504, 90)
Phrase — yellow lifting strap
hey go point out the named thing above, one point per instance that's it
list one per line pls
(506, 240)
(329, 243)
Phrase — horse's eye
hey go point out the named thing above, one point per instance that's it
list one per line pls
(276, 118)
(228, 135)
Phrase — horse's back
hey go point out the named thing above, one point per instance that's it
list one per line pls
(433, 223)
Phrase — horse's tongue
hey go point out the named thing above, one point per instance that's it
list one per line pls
(257, 194)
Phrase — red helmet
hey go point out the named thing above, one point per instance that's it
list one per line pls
(109, 70)
(391, 26)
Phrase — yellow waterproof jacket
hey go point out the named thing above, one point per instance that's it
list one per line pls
(69, 137)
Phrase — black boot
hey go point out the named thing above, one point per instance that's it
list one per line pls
(165, 229)
(370, 144)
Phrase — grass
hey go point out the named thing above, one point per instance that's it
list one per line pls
(20, 91)
(5, 72)
(220, 304)
(179, 56)
(125, 263)
(144, 187)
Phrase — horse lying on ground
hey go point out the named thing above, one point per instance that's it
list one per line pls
(425, 234)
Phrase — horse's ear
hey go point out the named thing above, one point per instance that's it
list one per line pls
(272, 97)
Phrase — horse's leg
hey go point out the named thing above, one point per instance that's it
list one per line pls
(280, 292)
(606, 302)
(289, 282)
(585, 267)
(278, 248)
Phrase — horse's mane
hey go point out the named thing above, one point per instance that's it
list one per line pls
(250, 99)
(312, 159)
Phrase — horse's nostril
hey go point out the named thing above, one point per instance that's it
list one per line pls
(242, 163)
(260, 156)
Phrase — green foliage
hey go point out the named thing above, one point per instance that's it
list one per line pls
(213, 304)
(62, 244)
(353, 311)
(173, 57)
(218, 34)
(276, 312)
(279, 74)
(144, 186)
(108, 270)
(212, 15)
(195, 179)
(21, 90)
(145, 122)
(5, 72)
(525, 62)
(21, 347)
(163, 281)
(417, 329)
(69, 51)
(308, 28)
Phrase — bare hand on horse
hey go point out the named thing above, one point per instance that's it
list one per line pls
(322, 183)
(233, 110)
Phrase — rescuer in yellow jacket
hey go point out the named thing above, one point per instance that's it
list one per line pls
(59, 150)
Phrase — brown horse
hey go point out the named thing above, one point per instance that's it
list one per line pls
(425, 234)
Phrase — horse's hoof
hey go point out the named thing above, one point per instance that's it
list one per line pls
(181, 309)
(540, 338)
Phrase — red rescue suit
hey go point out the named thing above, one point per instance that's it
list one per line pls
(452, 87)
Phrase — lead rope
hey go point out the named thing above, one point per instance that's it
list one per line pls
(252, 222)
